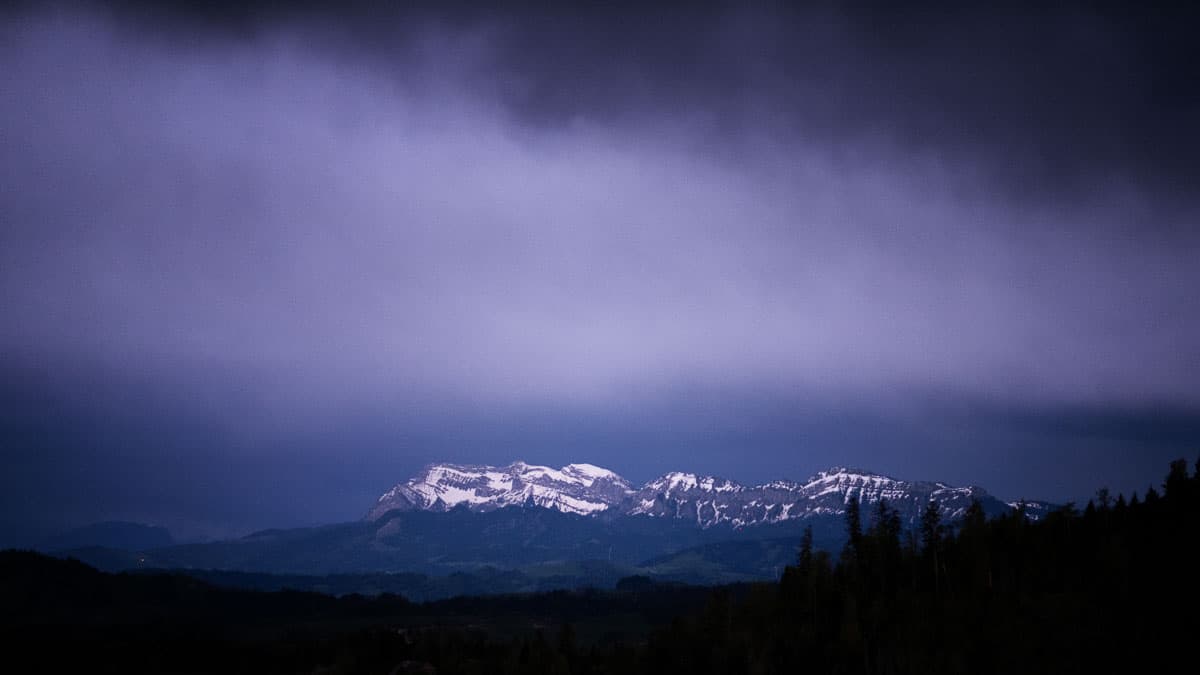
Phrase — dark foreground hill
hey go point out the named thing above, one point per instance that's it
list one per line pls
(1110, 588)
(59, 615)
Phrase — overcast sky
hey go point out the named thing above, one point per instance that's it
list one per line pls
(259, 264)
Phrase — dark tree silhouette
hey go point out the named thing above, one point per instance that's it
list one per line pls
(854, 530)
(805, 560)
(931, 535)
(1007, 595)
(974, 518)
(1177, 479)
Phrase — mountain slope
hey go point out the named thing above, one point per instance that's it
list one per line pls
(576, 488)
(454, 519)
(585, 489)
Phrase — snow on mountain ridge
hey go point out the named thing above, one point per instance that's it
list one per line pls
(590, 490)
(576, 488)
(677, 480)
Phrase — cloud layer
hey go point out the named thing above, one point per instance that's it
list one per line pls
(276, 229)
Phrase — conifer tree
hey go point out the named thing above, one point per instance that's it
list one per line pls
(566, 642)
(854, 526)
(974, 518)
(931, 525)
(806, 552)
(1177, 479)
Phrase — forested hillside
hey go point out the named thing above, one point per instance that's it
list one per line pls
(1107, 588)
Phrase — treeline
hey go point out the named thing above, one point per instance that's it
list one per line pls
(1107, 588)
(1110, 588)
(61, 615)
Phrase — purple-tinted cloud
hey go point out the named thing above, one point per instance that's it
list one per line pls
(260, 205)
(287, 234)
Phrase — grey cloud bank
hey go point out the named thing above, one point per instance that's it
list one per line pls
(285, 241)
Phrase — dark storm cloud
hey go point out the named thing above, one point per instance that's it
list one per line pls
(276, 241)
(1052, 97)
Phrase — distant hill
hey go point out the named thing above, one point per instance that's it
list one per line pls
(114, 534)
(53, 594)
(426, 542)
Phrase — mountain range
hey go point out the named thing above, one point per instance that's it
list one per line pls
(474, 529)
(589, 490)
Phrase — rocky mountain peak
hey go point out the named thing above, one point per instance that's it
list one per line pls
(590, 490)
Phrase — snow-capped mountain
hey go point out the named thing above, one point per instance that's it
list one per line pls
(575, 488)
(710, 501)
(590, 490)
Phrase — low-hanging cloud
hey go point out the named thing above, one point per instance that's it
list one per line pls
(259, 205)
(298, 232)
